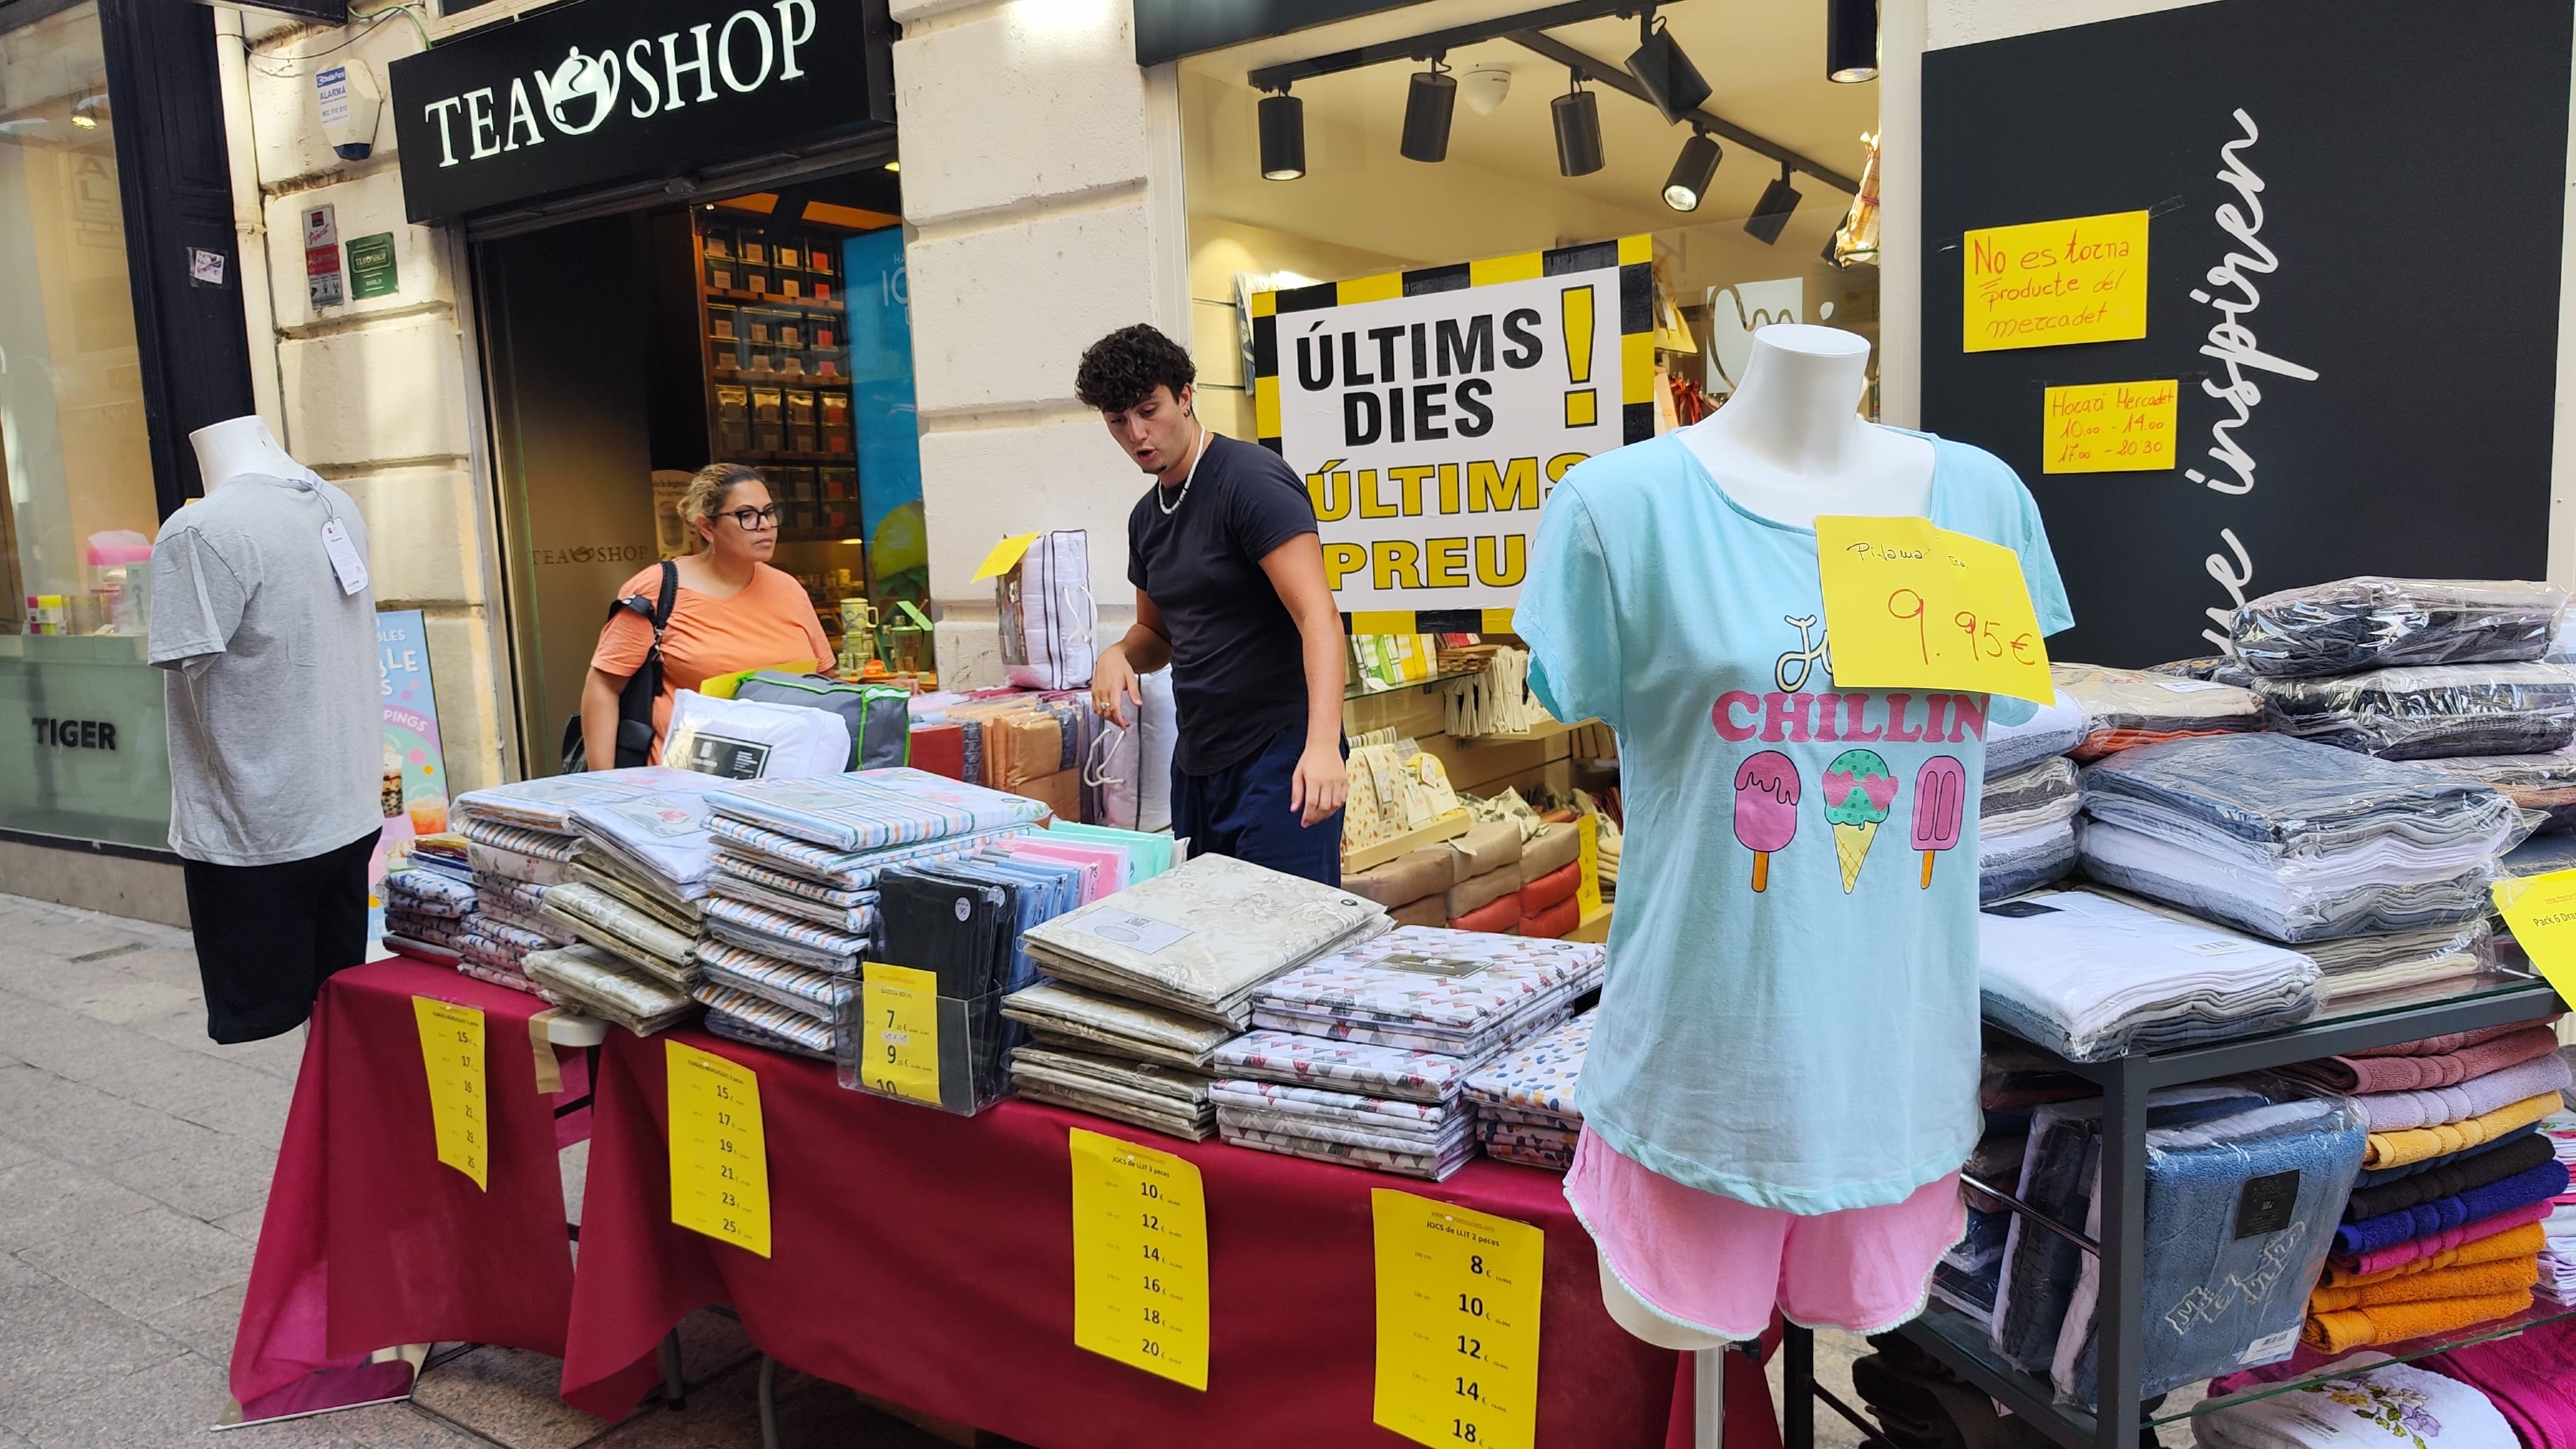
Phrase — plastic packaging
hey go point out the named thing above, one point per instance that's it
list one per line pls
(2091, 978)
(2009, 864)
(2433, 712)
(878, 716)
(2542, 783)
(2394, 960)
(2126, 708)
(1047, 614)
(745, 739)
(2374, 623)
(2057, 728)
(2043, 794)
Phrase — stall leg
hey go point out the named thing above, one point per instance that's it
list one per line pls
(768, 1402)
(675, 1390)
(1708, 1368)
(1798, 1387)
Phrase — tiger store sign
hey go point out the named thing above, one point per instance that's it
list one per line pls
(1432, 411)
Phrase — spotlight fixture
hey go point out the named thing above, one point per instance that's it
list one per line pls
(1428, 105)
(1692, 171)
(1771, 214)
(1577, 115)
(1283, 137)
(1671, 81)
(1851, 41)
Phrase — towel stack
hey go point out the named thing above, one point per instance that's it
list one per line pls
(2026, 818)
(2122, 709)
(2092, 977)
(1524, 1098)
(2442, 1228)
(2558, 1259)
(793, 888)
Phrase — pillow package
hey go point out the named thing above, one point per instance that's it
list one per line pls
(742, 739)
(2431, 712)
(2373, 623)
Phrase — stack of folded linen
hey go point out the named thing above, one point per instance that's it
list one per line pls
(2358, 966)
(2540, 855)
(1463, 994)
(757, 999)
(2218, 667)
(966, 922)
(2543, 783)
(1116, 1059)
(2090, 977)
(1552, 879)
(2558, 1260)
(2126, 708)
(1524, 1098)
(427, 910)
(633, 932)
(2013, 1085)
(2291, 839)
(2388, 1402)
(2370, 622)
(2442, 1229)
(2432, 711)
(1389, 1108)
(610, 988)
(629, 835)
(2026, 828)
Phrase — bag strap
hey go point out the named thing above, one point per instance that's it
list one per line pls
(670, 598)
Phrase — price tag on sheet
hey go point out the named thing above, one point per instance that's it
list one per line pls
(451, 1047)
(719, 1157)
(2542, 912)
(1140, 1278)
(1587, 889)
(899, 1031)
(1457, 1323)
(1912, 605)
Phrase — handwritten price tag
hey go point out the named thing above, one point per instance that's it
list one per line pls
(2110, 427)
(1908, 604)
(2542, 912)
(2050, 283)
(899, 1031)
(1457, 1323)
(1140, 1281)
(719, 1157)
(451, 1047)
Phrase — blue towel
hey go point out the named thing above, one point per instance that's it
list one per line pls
(2388, 1230)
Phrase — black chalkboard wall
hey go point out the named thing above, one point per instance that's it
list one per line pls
(2413, 168)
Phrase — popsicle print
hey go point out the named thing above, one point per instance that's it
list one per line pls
(1940, 808)
(1766, 808)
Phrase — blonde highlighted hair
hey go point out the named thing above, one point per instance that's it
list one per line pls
(708, 491)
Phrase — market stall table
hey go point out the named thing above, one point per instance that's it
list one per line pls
(927, 1259)
(369, 1241)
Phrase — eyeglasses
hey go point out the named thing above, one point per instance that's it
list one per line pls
(753, 520)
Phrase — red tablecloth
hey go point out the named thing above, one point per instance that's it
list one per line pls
(928, 1259)
(369, 1241)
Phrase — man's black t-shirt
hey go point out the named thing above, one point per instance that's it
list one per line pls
(1238, 664)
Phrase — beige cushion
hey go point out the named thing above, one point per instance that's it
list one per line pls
(1480, 890)
(1487, 845)
(1551, 850)
(1406, 879)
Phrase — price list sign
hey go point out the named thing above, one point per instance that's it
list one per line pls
(1140, 1278)
(1911, 605)
(719, 1158)
(1457, 1323)
(451, 1047)
(899, 1031)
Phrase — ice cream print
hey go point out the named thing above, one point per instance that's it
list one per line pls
(1858, 792)
(1940, 808)
(1766, 808)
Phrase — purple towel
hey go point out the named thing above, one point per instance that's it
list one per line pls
(2433, 1106)
(2370, 1235)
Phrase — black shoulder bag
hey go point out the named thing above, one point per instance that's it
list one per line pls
(635, 701)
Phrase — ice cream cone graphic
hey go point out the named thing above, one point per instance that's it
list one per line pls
(1858, 793)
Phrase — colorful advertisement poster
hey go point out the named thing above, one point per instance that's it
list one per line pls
(413, 793)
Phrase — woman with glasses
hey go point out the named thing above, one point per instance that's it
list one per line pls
(732, 611)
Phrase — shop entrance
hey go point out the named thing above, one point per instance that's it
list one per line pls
(627, 351)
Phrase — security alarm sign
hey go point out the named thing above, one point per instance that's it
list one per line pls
(1431, 412)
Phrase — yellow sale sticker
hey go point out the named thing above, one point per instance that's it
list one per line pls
(451, 1048)
(1587, 889)
(899, 1031)
(1909, 604)
(719, 1157)
(2051, 283)
(2110, 427)
(1457, 1323)
(2542, 912)
(1140, 1277)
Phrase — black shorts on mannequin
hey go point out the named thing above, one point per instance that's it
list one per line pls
(269, 935)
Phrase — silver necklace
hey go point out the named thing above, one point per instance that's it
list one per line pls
(1186, 479)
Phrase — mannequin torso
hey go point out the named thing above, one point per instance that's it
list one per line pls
(1791, 444)
(238, 446)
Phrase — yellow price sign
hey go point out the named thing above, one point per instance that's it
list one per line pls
(1587, 890)
(1910, 604)
(1140, 1278)
(2110, 427)
(899, 1031)
(719, 1157)
(1457, 1323)
(451, 1048)
(2542, 912)
(2049, 283)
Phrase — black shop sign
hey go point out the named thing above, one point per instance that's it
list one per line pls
(601, 91)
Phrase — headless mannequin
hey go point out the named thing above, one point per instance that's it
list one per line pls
(238, 446)
(1790, 445)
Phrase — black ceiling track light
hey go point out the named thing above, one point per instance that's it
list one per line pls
(1693, 170)
(1851, 41)
(1671, 81)
(1771, 214)
(1428, 106)
(1283, 137)
(1577, 114)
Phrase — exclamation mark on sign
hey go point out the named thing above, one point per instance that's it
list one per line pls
(1582, 404)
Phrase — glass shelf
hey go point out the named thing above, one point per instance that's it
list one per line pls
(2541, 1311)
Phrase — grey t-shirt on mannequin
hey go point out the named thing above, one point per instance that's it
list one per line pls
(272, 683)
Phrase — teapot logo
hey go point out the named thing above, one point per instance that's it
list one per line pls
(581, 78)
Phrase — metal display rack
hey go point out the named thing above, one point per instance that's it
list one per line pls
(1961, 1343)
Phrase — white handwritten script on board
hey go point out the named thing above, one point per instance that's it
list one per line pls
(2232, 294)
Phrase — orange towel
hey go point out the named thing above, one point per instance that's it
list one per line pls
(2520, 1242)
(2415, 1144)
(2473, 1280)
(2351, 1328)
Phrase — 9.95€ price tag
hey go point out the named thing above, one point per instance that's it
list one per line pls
(451, 1047)
(1910, 605)
(1140, 1278)
(1457, 1323)
(719, 1157)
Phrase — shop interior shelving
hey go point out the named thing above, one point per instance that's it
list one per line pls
(2503, 996)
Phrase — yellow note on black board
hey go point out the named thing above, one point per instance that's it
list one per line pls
(451, 1048)
(1140, 1274)
(1457, 1323)
(719, 1156)
(899, 1031)
(1909, 604)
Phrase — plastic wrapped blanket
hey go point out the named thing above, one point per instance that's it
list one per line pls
(2055, 729)
(2126, 708)
(2012, 862)
(2091, 978)
(2373, 623)
(2431, 712)
(2544, 783)
(2394, 960)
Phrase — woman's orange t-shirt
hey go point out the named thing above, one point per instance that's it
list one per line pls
(770, 622)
